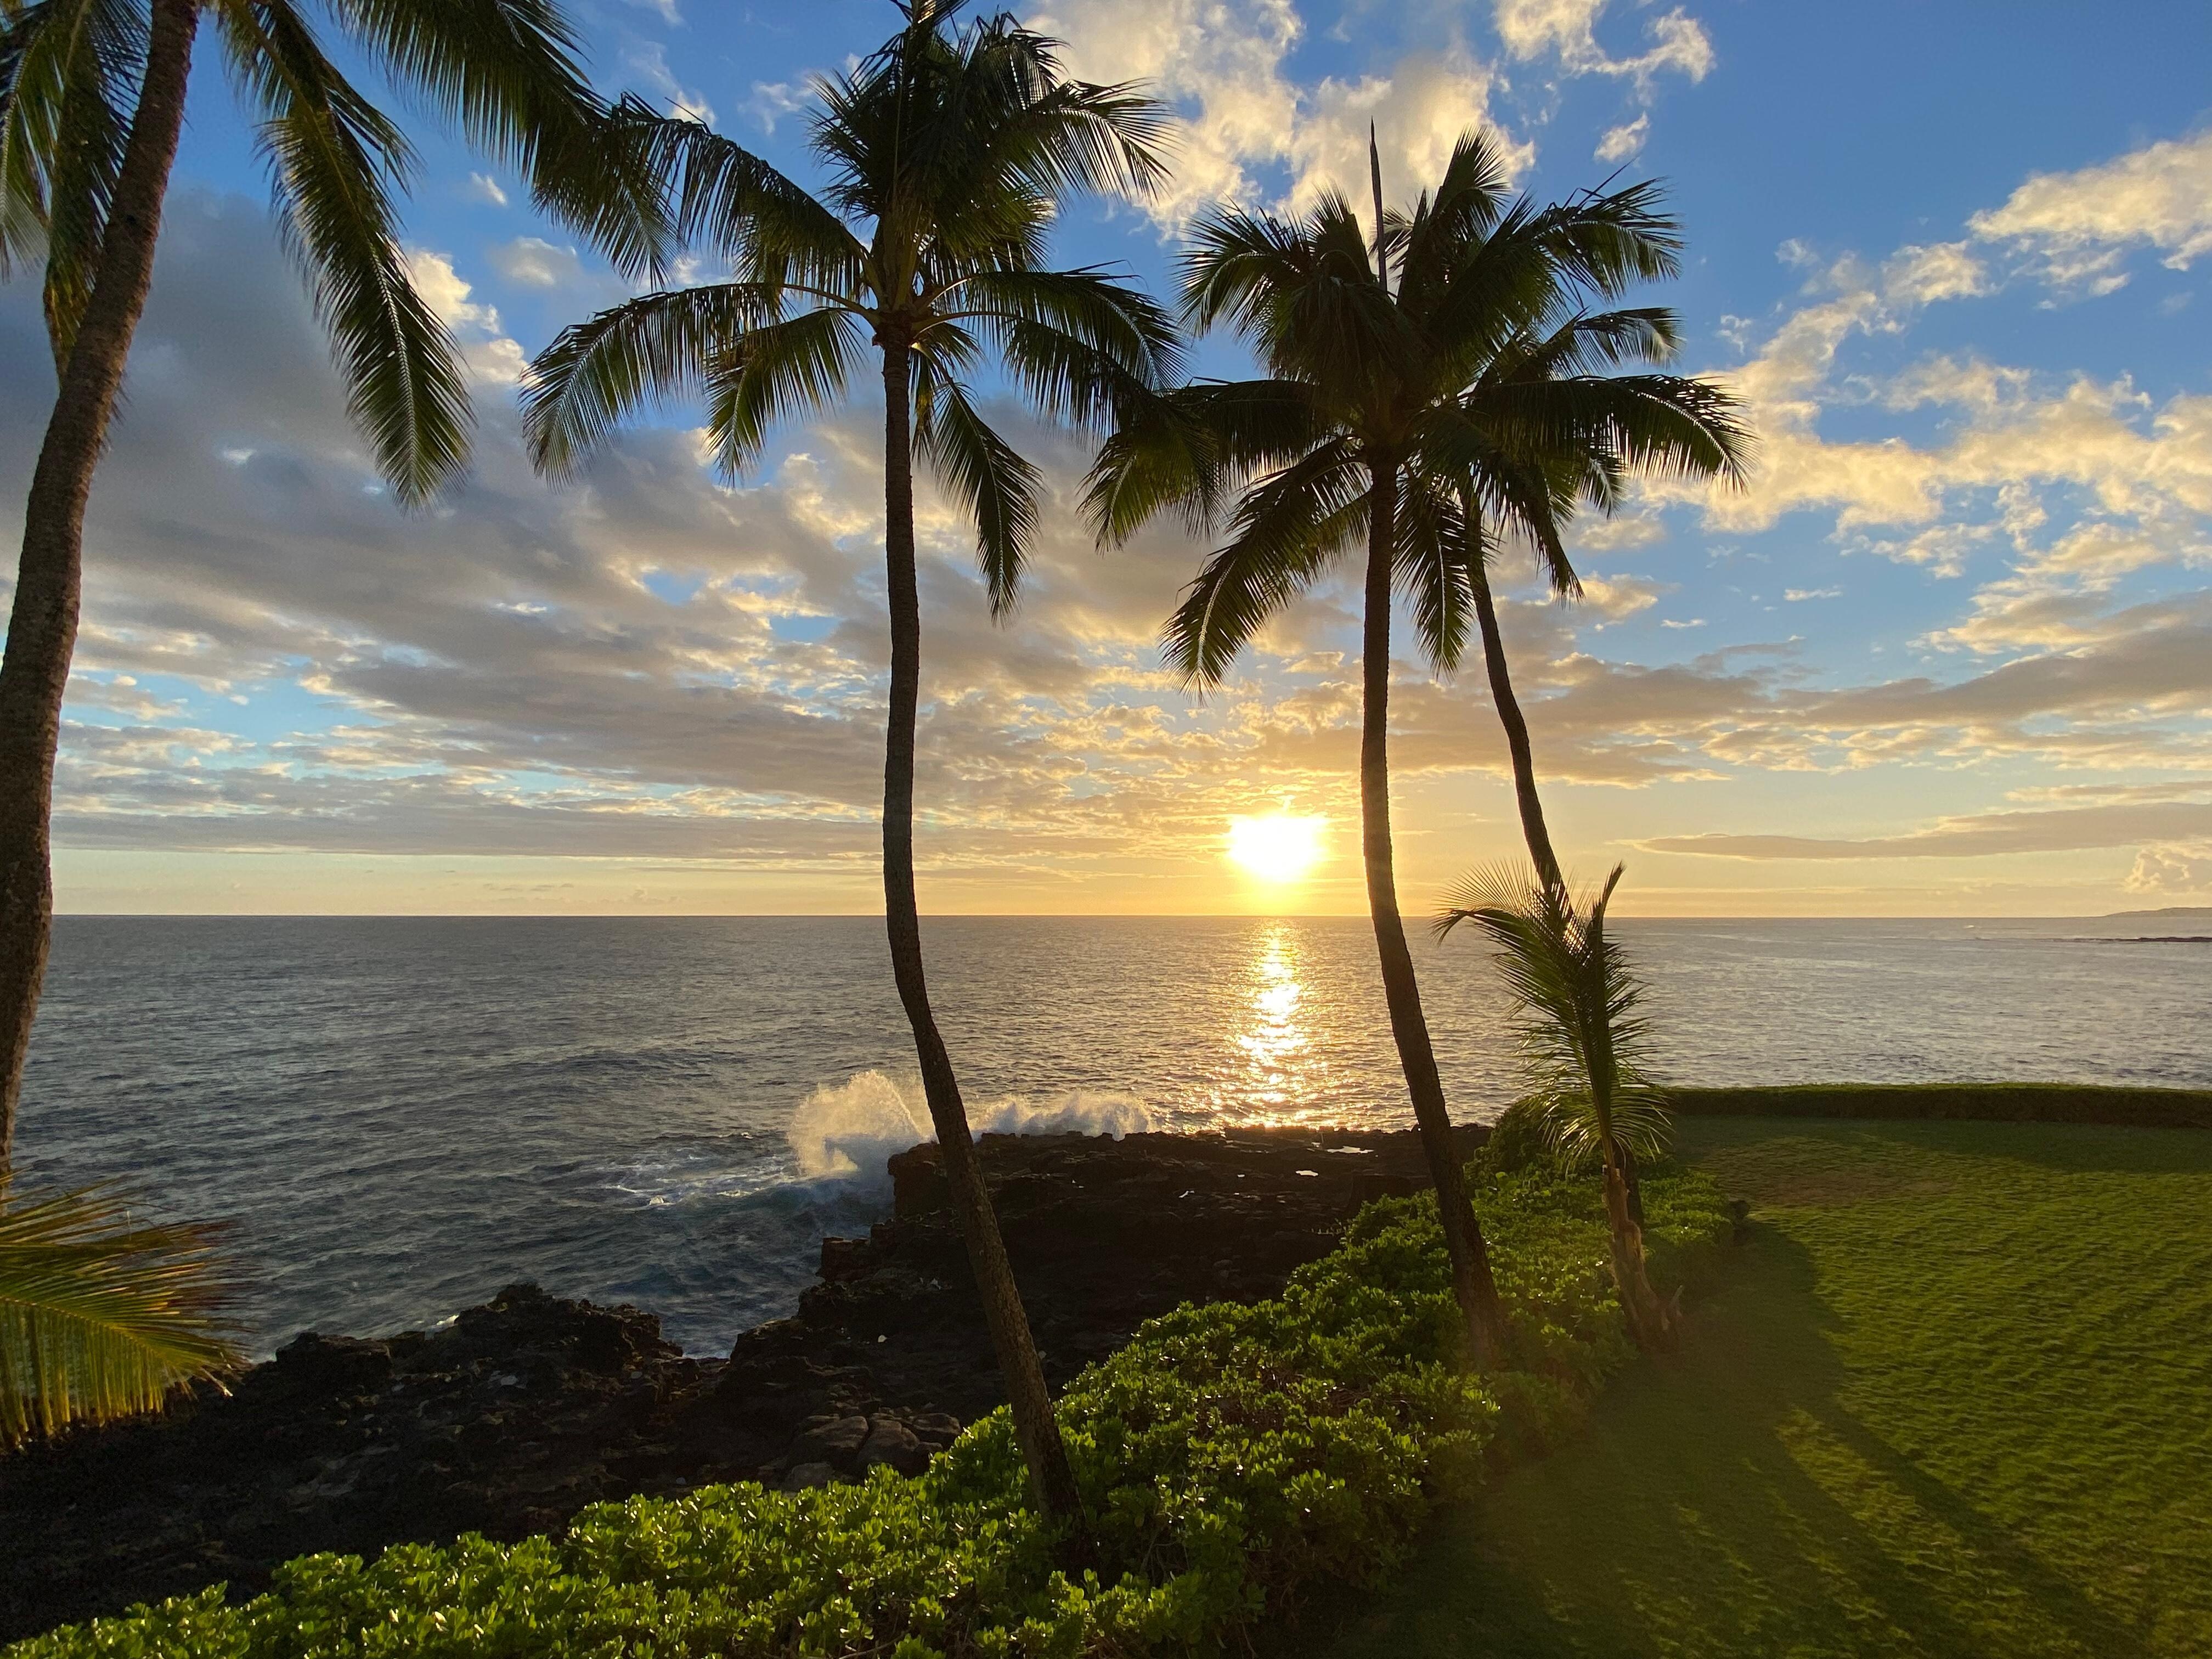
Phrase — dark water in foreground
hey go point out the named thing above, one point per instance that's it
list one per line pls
(401, 1115)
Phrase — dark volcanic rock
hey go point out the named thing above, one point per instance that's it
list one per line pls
(521, 1412)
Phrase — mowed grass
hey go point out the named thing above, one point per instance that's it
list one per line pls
(1954, 1397)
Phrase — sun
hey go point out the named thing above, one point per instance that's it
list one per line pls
(1280, 847)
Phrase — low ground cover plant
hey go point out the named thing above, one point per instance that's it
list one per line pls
(1229, 1456)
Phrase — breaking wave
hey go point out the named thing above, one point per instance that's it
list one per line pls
(849, 1130)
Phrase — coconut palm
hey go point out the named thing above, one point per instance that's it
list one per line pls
(946, 152)
(100, 1318)
(1546, 429)
(1580, 1034)
(1361, 432)
(92, 101)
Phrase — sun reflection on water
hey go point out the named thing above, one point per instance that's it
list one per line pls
(1281, 1065)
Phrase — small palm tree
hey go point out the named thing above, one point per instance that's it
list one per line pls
(1370, 427)
(100, 1318)
(1580, 1036)
(947, 152)
(92, 101)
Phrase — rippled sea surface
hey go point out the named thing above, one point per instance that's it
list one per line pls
(402, 1114)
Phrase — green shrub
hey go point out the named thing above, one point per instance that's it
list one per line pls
(2005, 1103)
(1228, 1456)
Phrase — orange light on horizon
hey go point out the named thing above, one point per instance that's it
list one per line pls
(1277, 847)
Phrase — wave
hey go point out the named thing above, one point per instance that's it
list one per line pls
(850, 1130)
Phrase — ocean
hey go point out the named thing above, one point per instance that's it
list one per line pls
(400, 1115)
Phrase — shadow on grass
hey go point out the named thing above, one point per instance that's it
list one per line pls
(1724, 1500)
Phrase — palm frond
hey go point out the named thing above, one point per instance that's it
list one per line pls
(334, 161)
(506, 74)
(600, 371)
(1285, 532)
(1576, 997)
(67, 73)
(983, 470)
(797, 365)
(99, 1316)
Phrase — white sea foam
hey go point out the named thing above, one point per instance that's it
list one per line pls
(849, 1130)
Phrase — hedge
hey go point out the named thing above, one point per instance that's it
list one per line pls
(1231, 1456)
(2006, 1102)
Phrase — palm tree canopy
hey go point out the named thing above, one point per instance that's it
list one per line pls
(945, 152)
(99, 1317)
(1578, 997)
(503, 72)
(1455, 357)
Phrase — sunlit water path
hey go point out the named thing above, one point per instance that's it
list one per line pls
(402, 1114)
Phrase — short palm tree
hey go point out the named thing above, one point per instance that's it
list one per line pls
(1580, 1034)
(92, 101)
(99, 1317)
(947, 151)
(1361, 431)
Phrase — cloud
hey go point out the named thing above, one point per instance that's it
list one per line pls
(2077, 227)
(1566, 31)
(1624, 141)
(1251, 134)
(1980, 836)
(484, 188)
(2174, 870)
(771, 100)
(489, 353)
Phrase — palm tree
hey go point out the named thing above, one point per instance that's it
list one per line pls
(946, 153)
(100, 1318)
(92, 101)
(1579, 1035)
(1546, 429)
(1360, 431)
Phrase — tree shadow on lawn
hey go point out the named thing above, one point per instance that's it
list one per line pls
(1721, 1501)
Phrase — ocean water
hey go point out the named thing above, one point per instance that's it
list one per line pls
(400, 1115)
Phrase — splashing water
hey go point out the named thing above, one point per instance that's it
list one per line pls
(850, 1130)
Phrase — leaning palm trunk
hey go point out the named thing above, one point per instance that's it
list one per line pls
(1052, 1480)
(1532, 828)
(49, 585)
(1473, 1285)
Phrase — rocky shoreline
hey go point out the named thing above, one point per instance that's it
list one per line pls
(519, 1412)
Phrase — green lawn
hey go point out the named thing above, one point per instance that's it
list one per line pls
(1955, 1397)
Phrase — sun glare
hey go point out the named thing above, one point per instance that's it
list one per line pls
(1278, 847)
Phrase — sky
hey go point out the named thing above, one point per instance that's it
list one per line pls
(1945, 654)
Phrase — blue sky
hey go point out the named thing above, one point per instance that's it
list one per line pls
(1945, 654)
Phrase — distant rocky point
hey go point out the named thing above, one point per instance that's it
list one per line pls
(2170, 913)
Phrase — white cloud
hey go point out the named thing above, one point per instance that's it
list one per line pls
(1622, 141)
(2172, 870)
(1249, 133)
(490, 355)
(486, 189)
(1567, 30)
(2077, 225)
(649, 59)
(771, 101)
(535, 263)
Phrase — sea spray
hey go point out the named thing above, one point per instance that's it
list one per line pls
(850, 1130)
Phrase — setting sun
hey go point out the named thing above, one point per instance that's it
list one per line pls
(1278, 847)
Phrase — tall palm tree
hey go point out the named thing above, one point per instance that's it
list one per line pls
(946, 152)
(100, 1316)
(1359, 432)
(1579, 1033)
(1544, 430)
(92, 101)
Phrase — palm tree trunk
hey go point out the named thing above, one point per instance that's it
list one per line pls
(1052, 1482)
(50, 579)
(1532, 828)
(1650, 1319)
(1472, 1284)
